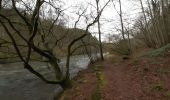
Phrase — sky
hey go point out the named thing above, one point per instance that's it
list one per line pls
(110, 20)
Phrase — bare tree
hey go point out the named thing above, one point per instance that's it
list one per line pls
(33, 30)
(99, 12)
(37, 40)
(121, 20)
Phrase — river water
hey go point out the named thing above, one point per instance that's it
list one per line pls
(17, 83)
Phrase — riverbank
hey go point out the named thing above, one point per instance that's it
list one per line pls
(88, 84)
(83, 84)
(136, 78)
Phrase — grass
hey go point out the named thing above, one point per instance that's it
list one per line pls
(158, 52)
(155, 87)
(167, 94)
(96, 95)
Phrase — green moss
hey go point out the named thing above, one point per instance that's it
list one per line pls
(167, 94)
(156, 87)
(96, 95)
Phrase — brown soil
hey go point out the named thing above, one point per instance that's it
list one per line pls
(133, 79)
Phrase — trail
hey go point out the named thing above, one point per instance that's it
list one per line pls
(121, 85)
(131, 79)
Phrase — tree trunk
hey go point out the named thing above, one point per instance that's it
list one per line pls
(98, 22)
(148, 32)
(121, 20)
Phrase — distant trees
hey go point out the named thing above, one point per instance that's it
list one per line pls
(150, 28)
(123, 45)
(155, 26)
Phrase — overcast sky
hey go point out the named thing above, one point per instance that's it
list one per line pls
(110, 20)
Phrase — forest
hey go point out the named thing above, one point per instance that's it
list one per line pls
(84, 49)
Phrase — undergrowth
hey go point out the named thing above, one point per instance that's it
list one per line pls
(158, 52)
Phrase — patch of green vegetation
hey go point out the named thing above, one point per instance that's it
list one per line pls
(167, 94)
(162, 71)
(63, 97)
(156, 87)
(100, 79)
(96, 95)
(159, 52)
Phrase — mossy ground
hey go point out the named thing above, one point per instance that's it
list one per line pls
(96, 95)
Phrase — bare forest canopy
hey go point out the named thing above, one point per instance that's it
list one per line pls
(151, 29)
(56, 37)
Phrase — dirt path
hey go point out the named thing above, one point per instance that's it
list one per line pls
(120, 85)
(137, 80)
(131, 79)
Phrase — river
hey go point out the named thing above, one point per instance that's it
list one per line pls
(17, 83)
